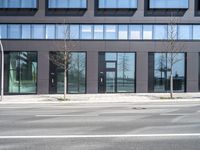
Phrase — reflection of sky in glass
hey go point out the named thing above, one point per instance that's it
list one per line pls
(117, 3)
(147, 32)
(160, 32)
(168, 3)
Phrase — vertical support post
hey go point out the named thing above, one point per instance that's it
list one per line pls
(2, 70)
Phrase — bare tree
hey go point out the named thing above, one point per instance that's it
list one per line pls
(62, 57)
(173, 49)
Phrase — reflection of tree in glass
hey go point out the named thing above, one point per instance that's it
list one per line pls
(123, 66)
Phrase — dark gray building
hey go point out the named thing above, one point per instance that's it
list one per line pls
(120, 45)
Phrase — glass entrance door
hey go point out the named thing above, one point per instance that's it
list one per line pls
(110, 81)
(116, 72)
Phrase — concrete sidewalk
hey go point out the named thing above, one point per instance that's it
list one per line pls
(96, 98)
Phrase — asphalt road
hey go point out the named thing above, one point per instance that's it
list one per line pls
(100, 126)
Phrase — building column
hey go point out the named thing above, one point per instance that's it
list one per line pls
(43, 73)
(92, 72)
(142, 72)
(192, 81)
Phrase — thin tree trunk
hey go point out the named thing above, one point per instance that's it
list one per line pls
(65, 75)
(65, 83)
(171, 85)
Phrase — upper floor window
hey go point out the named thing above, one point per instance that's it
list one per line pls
(18, 3)
(113, 4)
(62, 4)
(168, 4)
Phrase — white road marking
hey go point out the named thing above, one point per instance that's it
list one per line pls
(174, 114)
(66, 115)
(101, 136)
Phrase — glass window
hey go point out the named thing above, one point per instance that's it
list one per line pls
(172, 32)
(167, 4)
(14, 31)
(111, 4)
(74, 32)
(3, 3)
(75, 3)
(162, 71)
(110, 32)
(135, 32)
(110, 65)
(123, 32)
(38, 31)
(123, 3)
(14, 3)
(22, 72)
(184, 32)
(67, 4)
(98, 31)
(62, 32)
(117, 3)
(110, 56)
(147, 32)
(26, 31)
(3, 31)
(52, 3)
(196, 32)
(77, 73)
(28, 4)
(62, 4)
(102, 3)
(50, 31)
(126, 72)
(86, 32)
(160, 32)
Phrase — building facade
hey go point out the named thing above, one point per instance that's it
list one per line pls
(120, 46)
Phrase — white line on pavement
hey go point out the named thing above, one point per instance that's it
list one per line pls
(66, 115)
(174, 114)
(100, 136)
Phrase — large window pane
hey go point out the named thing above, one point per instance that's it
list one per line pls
(98, 31)
(196, 32)
(62, 32)
(3, 3)
(135, 32)
(117, 4)
(38, 31)
(14, 31)
(67, 4)
(86, 32)
(172, 32)
(184, 32)
(50, 31)
(111, 4)
(147, 32)
(167, 4)
(26, 31)
(14, 3)
(162, 72)
(3, 31)
(126, 72)
(22, 72)
(110, 32)
(28, 4)
(123, 32)
(74, 32)
(160, 32)
(76, 73)
(28, 72)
